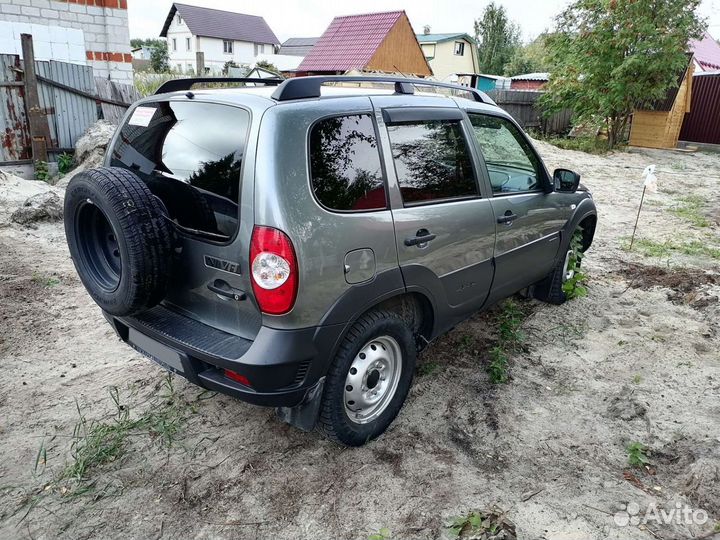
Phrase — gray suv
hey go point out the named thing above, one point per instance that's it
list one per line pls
(296, 243)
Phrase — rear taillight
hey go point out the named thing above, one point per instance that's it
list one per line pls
(242, 379)
(274, 270)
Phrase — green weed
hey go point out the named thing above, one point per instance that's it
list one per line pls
(427, 368)
(637, 454)
(690, 209)
(497, 369)
(478, 524)
(574, 287)
(589, 145)
(65, 162)
(44, 280)
(382, 534)
(637, 379)
(42, 171)
(695, 248)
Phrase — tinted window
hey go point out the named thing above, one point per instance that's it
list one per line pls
(190, 155)
(512, 165)
(345, 164)
(432, 161)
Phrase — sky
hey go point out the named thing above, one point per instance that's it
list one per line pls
(307, 18)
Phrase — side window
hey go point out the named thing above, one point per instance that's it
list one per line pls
(345, 165)
(432, 161)
(512, 165)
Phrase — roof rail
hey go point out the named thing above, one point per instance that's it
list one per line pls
(309, 87)
(176, 85)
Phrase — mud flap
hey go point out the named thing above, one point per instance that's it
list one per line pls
(305, 415)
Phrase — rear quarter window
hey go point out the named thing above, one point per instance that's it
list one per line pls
(345, 169)
(190, 155)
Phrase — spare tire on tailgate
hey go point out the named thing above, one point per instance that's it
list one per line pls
(119, 239)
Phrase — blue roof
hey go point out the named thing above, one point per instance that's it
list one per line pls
(437, 38)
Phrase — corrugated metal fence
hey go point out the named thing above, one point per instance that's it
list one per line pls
(702, 123)
(522, 106)
(70, 98)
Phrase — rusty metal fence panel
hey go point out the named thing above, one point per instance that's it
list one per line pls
(702, 123)
(14, 130)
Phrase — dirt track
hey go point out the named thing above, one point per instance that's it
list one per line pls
(634, 361)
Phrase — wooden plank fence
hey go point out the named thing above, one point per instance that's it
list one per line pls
(70, 100)
(522, 106)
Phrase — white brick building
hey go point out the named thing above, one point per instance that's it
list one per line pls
(91, 32)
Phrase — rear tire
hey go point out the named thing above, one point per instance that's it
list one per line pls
(119, 240)
(369, 379)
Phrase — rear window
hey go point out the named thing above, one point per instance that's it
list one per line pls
(190, 155)
(345, 164)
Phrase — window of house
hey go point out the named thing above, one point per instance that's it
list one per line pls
(459, 48)
(512, 164)
(227, 46)
(174, 42)
(179, 19)
(187, 44)
(345, 164)
(432, 161)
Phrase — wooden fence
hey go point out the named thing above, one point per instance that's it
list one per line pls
(522, 106)
(46, 106)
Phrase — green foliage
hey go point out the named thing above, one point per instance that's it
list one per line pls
(44, 280)
(65, 162)
(573, 287)
(227, 65)
(498, 366)
(382, 534)
(637, 454)
(481, 524)
(690, 209)
(497, 38)
(611, 56)
(427, 368)
(695, 248)
(589, 145)
(42, 172)
(159, 55)
(264, 64)
(510, 339)
(530, 58)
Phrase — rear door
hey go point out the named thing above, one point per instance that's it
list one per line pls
(444, 224)
(192, 155)
(527, 216)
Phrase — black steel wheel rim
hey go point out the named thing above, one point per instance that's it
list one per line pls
(98, 246)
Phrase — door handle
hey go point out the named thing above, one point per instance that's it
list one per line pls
(423, 236)
(507, 218)
(222, 288)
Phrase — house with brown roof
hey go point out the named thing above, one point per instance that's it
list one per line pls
(222, 36)
(706, 53)
(373, 42)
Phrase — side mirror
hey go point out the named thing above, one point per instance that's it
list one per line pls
(566, 180)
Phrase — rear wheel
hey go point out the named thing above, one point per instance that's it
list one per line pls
(369, 379)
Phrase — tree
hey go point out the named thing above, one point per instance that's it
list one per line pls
(530, 58)
(264, 64)
(159, 57)
(497, 38)
(612, 56)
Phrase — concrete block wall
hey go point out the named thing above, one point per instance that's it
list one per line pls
(104, 24)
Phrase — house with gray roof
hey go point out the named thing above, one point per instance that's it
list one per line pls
(298, 46)
(223, 36)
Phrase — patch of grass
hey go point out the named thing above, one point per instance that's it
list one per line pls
(382, 534)
(96, 443)
(690, 208)
(589, 145)
(498, 366)
(637, 454)
(637, 379)
(65, 162)
(44, 280)
(427, 368)
(42, 171)
(483, 524)
(695, 248)
(510, 338)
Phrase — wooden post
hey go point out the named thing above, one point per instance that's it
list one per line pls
(39, 130)
(200, 62)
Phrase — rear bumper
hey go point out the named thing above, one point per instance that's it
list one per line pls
(283, 366)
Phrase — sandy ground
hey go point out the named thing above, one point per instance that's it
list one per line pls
(634, 361)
